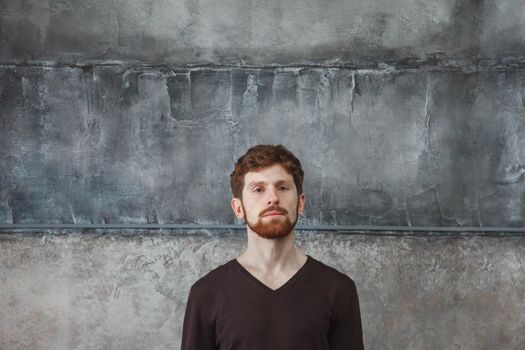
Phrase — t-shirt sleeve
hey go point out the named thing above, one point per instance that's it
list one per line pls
(346, 332)
(198, 330)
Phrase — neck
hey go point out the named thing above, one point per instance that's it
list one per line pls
(272, 254)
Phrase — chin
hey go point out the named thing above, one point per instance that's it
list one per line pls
(274, 229)
(277, 235)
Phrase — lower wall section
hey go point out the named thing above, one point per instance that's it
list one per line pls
(87, 291)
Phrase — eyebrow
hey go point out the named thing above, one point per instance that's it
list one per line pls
(279, 182)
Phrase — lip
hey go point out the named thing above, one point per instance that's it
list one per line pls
(273, 213)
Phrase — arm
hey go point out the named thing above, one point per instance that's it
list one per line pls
(346, 332)
(198, 332)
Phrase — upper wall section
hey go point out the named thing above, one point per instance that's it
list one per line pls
(117, 145)
(262, 32)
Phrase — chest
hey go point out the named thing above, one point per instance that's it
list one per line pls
(284, 320)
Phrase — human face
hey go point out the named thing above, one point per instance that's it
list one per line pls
(270, 205)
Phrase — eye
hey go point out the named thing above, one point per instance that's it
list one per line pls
(257, 189)
(283, 188)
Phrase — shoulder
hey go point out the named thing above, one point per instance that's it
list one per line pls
(337, 287)
(213, 281)
(332, 277)
(205, 294)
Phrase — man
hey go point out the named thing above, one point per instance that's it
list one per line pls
(273, 296)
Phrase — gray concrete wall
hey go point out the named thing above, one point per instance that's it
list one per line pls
(262, 32)
(89, 291)
(404, 113)
(120, 145)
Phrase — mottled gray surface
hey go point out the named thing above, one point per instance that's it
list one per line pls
(365, 33)
(403, 112)
(128, 145)
(116, 292)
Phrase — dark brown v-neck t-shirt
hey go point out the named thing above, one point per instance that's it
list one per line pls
(230, 309)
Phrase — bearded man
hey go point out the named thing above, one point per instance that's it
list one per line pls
(273, 296)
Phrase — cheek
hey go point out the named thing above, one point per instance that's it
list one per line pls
(250, 211)
(294, 204)
(254, 212)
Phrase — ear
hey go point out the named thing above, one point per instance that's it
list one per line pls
(237, 208)
(300, 204)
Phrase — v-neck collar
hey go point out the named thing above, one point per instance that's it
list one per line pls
(263, 286)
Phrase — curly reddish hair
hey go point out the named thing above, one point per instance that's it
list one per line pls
(263, 156)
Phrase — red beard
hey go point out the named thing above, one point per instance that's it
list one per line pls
(274, 228)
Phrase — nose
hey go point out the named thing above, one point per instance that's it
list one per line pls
(273, 197)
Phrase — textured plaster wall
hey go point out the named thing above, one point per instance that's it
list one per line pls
(84, 291)
(120, 145)
(404, 113)
(262, 32)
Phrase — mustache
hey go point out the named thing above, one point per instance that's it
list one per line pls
(273, 208)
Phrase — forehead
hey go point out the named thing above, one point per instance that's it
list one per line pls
(269, 174)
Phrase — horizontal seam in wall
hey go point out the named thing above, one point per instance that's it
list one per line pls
(395, 230)
(417, 65)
